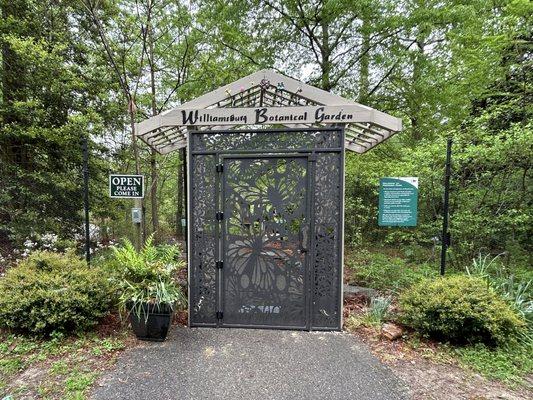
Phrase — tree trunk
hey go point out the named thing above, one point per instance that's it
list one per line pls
(325, 53)
(139, 203)
(364, 65)
(153, 194)
(153, 154)
(416, 133)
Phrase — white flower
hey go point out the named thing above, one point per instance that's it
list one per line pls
(49, 239)
(29, 244)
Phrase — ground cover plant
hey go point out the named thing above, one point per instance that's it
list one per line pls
(510, 363)
(58, 367)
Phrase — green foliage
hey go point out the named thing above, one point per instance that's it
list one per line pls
(52, 94)
(517, 291)
(373, 317)
(69, 364)
(382, 272)
(51, 292)
(148, 276)
(379, 308)
(447, 68)
(460, 308)
(519, 294)
(509, 363)
(481, 266)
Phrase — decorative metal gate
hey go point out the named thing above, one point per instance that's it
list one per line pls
(266, 228)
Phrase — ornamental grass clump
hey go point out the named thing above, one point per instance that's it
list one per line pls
(148, 277)
(461, 309)
(52, 292)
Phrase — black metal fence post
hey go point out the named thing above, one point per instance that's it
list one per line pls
(185, 194)
(445, 233)
(86, 198)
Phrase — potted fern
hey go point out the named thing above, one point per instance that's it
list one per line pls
(149, 292)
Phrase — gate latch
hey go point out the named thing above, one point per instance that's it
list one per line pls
(220, 167)
(220, 314)
(219, 264)
(220, 216)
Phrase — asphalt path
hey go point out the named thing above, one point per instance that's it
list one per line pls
(208, 363)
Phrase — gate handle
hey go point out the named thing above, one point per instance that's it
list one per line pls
(304, 237)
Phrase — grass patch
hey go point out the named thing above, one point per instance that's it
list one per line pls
(59, 368)
(79, 381)
(383, 272)
(509, 364)
(354, 322)
(66, 365)
(9, 366)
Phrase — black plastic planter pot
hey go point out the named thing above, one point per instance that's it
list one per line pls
(156, 326)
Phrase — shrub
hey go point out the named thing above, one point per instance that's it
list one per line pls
(382, 272)
(460, 309)
(50, 292)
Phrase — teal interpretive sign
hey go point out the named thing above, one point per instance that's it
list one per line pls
(398, 201)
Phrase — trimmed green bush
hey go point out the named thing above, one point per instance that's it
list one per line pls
(459, 308)
(50, 292)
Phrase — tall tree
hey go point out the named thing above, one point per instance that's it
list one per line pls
(51, 97)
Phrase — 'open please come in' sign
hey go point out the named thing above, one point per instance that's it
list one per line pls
(126, 186)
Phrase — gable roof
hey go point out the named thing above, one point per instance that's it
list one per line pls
(364, 129)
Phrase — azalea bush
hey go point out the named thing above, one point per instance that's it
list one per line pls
(460, 308)
(51, 292)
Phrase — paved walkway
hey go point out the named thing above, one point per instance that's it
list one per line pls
(250, 364)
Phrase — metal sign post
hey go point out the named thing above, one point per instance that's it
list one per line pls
(445, 233)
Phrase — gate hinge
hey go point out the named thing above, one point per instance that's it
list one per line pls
(220, 167)
(220, 264)
(220, 216)
(220, 314)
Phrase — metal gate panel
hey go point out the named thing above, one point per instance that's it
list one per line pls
(265, 241)
(328, 223)
(321, 149)
(203, 241)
